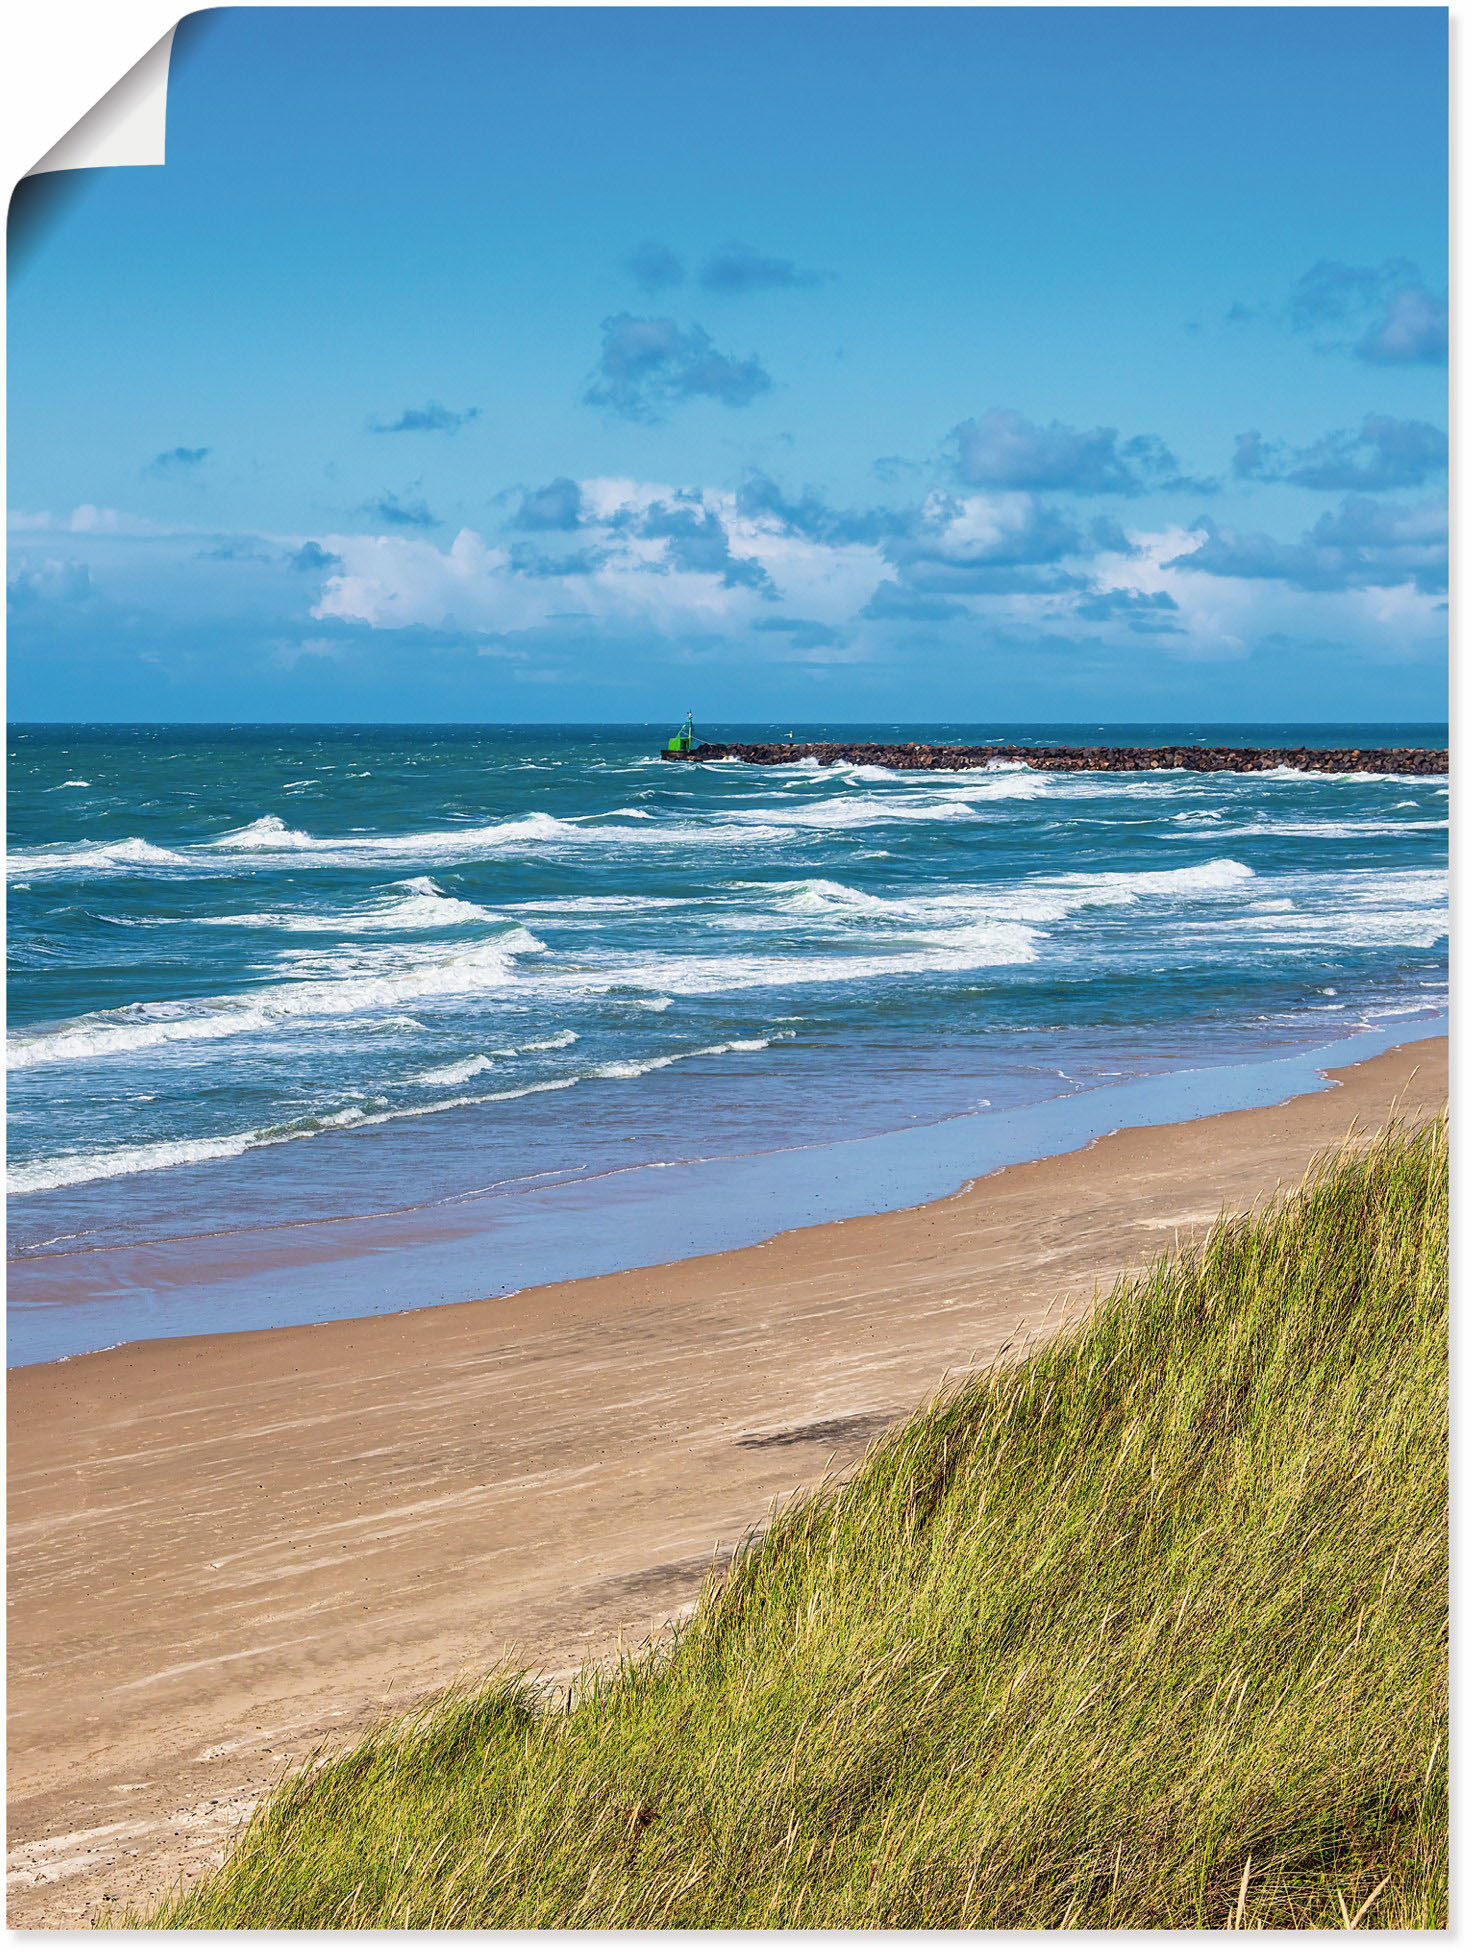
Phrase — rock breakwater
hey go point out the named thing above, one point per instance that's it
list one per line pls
(1088, 759)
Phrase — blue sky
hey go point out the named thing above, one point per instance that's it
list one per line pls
(819, 363)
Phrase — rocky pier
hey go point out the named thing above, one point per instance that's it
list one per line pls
(1087, 759)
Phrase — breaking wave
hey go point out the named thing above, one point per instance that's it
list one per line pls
(81, 1167)
(145, 1026)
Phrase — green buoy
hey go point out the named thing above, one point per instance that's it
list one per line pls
(684, 739)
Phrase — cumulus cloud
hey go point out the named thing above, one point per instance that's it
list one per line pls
(986, 545)
(1003, 449)
(400, 514)
(557, 506)
(648, 365)
(1145, 612)
(681, 585)
(1000, 544)
(695, 539)
(760, 498)
(312, 556)
(1385, 453)
(1399, 320)
(526, 560)
(738, 268)
(431, 419)
(68, 583)
(659, 561)
(1109, 538)
(1332, 293)
(173, 459)
(1364, 544)
(1413, 331)
(762, 575)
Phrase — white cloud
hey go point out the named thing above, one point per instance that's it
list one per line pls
(1227, 617)
(619, 575)
(87, 519)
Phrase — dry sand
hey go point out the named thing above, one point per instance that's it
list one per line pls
(226, 1549)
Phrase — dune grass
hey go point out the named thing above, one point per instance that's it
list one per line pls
(1144, 1629)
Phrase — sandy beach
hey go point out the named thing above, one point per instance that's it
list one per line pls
(226, 1550)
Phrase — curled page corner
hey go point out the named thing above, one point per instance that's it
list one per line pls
(126, 127)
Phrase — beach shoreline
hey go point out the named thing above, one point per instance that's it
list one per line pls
(538, 1229)
(226, 1549)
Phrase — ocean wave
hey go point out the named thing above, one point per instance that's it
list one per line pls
(146, 1026)
(1048, 898)
(80, 1168)
(594, 904)
(1359, 908)
(1355, 929)
(421, 906)
(1210, 877)
(632, 1067)
(955, 929)
(1316, 773)
(94, 857)
(270, 835)
(851, 810)
(726, 826)
(981, 946)
(1324, 829)
(464, 1069)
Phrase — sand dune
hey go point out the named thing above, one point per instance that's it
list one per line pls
(226, 1549)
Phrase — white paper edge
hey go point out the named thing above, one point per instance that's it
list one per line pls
(127, 127)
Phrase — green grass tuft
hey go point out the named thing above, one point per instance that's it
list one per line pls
(1146, 1629)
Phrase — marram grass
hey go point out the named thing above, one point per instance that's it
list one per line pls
(1146, 1629)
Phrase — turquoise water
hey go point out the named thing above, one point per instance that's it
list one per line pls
(269, 977)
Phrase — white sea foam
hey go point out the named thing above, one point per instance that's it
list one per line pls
(78, 1168)
(266, 835)
(270, 835)
(421, 906)
(1318, 773)
(984, 945)
(594, 904)
(1211, 877)
(467, 1068)
(1325, 829)
(945, 798)
(637, 1067)
(94, 857)
(447, 972)
(462, 1073)
(1359, 908)
(1048, 898)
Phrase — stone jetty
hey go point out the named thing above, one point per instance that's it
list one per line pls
(1087, 759)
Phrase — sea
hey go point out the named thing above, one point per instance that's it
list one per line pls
(334, 1020)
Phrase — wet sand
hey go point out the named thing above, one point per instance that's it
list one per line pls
(227, 1549)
